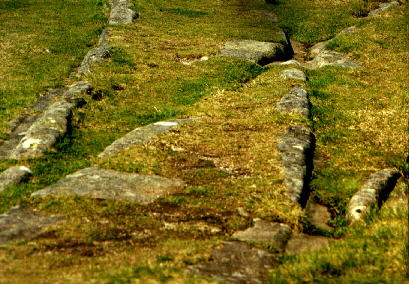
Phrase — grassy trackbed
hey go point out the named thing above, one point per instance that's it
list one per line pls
(229, 158)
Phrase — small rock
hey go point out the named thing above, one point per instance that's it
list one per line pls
(242, 212)
(275, 234)
(291, 62)
(109, 184)
(13, 176)
(254, 51)
(318, 215)
(237, 262)
(293, 74)
(301, 243)
(22, 224)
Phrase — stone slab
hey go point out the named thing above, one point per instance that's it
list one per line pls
(109, 184)
(13, 176)
(141, 135)
(302, 243)
(22, 224)
(318, 215)
(274, 234)
(237, 263)
(254, 51)
(293, 74)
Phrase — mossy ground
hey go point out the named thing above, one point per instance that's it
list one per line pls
(229, 157)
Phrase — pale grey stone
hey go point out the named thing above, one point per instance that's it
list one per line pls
(13, 176)
(109, 184)
(295, 101)
(141, 135)
(301, 243)
(293, 74)
(43, 133)
(237, 263)
(297, 147)
(273, 234)
(383, 7)
(254, 51)
(22, 224)
(372, 194)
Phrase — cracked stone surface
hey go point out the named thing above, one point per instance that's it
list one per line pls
(22, 224)
(237, 262)
(383, 7)
(293, 74)
(13, 176)
(295, 101)
(43, 133)
(372, 194)
(254, 51)
(141, 135)
(296, 148)
(301, 243)
(275, 234)
(109, 184)
(324, 57)
(120, 13)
